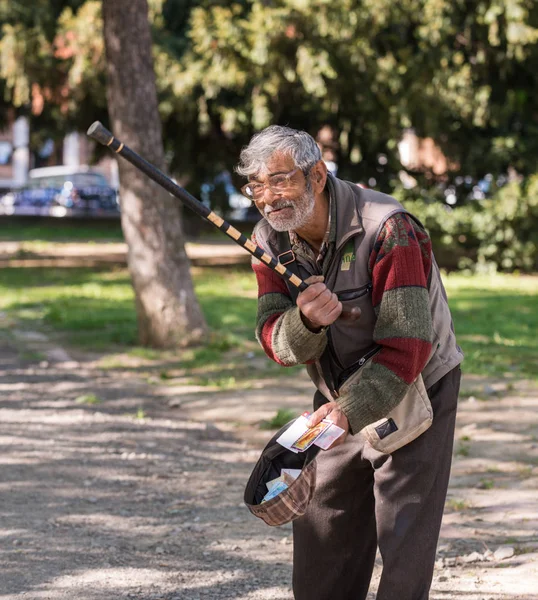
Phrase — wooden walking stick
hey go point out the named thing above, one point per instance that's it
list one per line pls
(102, 135)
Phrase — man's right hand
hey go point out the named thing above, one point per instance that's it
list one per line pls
(318, 305)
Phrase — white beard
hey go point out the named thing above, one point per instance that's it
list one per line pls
(302, 210)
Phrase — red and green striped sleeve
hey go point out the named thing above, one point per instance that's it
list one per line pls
(279, 327)
(400, 265)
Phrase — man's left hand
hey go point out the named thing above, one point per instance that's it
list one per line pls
(332, 412)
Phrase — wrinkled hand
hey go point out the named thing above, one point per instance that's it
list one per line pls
(318, 305)
(332, 412)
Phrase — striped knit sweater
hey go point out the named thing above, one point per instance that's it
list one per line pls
(399, 265)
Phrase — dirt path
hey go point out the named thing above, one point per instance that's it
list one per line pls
(113, 488)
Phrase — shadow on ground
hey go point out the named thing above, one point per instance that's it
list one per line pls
(140, 494)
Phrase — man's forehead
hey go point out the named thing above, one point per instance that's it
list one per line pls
(278, 162)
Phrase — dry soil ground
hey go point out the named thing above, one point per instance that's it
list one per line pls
(136, 492)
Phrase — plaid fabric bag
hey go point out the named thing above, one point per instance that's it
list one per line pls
(292, 502)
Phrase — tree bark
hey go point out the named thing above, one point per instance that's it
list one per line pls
(168, 312)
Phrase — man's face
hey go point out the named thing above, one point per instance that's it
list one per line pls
(290, 208)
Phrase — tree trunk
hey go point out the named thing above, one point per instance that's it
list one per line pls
(168, 312)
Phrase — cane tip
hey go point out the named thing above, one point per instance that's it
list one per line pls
(100, 133)
(93, 127)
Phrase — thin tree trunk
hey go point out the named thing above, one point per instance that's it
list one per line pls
(168, 312)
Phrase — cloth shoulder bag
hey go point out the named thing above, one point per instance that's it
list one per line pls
(412, 417)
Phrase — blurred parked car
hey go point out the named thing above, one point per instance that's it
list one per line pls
(221, 196)
(63, 192)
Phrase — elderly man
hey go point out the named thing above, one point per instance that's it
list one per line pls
(362, 254)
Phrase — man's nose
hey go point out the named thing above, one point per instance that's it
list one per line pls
(269, 196)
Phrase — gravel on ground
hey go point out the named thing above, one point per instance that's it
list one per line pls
(113, 487)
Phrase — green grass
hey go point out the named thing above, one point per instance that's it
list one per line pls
(282, 416)
(58, 230)
(95, 309)
(462, 449)
(229, 303)
(457, 505)
(495, 317)
(88, 399)
(32, 355)
(26, 229)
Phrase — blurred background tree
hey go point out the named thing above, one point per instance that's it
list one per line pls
(453, 70)
(356, 74)
(36, 73)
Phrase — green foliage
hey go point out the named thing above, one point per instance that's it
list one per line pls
(507, 227)
(38, 66)
(451, 230)
(500, 233)
(454, 70)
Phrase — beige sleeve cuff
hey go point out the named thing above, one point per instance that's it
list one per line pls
(293, 343)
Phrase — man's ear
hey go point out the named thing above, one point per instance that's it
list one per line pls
(318, 176)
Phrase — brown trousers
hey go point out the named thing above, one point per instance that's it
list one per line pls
(366, 499)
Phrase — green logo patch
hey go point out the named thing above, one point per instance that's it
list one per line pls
(348, 256)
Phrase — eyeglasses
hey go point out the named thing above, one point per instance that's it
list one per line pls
(280, 182)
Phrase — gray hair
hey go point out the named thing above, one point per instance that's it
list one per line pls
(300, 145)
